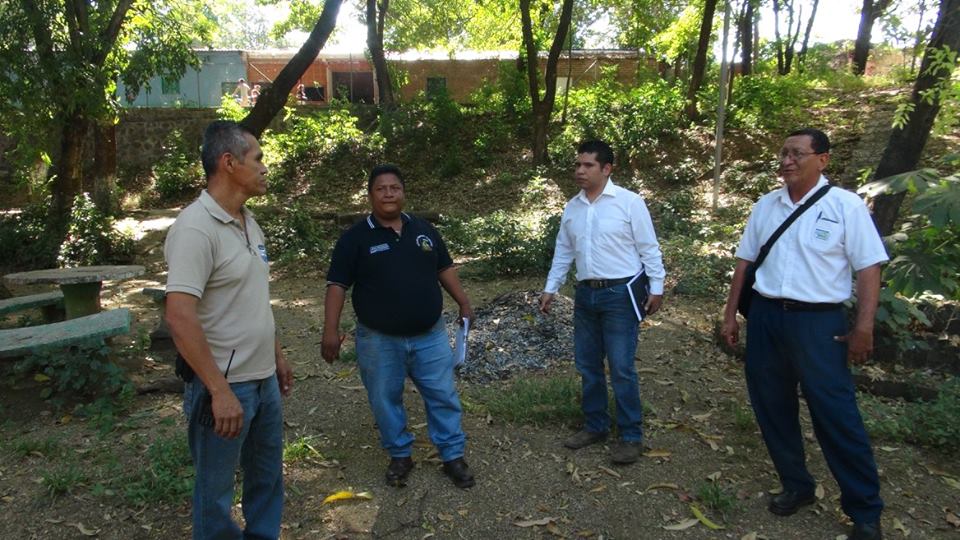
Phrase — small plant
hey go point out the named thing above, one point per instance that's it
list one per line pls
(48, 448)
(932, 424)
(717, 499)
(742, 417)
(301, 449)
(179, 173)
(62, 480)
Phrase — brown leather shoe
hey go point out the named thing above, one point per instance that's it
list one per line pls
(459, 472)
(626, 452)
(788, 502)
(584, 438)
(398, 470)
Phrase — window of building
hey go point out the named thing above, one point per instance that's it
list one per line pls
(436, 86)
(169, 86)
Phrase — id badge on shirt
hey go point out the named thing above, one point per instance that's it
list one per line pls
(262, 250)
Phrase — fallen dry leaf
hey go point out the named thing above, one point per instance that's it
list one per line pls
(898, 525)
(703, 519)
(952, 519)
(444, 517)
(662, 486)
(683, 525)
(347, 495)
(611, 472)
(535, 522)
(657, 453)
(713, 477)
(84, 530)
(819, 492)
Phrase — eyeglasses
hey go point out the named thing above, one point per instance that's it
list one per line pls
(796, 155)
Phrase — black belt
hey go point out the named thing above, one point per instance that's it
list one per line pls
(795, 305)
(602, 283)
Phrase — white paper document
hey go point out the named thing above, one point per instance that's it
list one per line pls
(460, 346)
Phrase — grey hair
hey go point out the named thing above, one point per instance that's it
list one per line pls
(222, 137)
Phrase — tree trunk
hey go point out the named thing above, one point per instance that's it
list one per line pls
(105, 168)
(777, 38)
(905, 146)
(376, 15)
(700, 61)
(792, 36)
(919, 37)
(806, 38)
(274, 98)
(69, 179)
(869, 13)
(746, 39)
(543, 108)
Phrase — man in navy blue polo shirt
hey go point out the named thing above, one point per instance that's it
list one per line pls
(396, 263)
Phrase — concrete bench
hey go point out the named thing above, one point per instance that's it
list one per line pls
(47, 337)
(51, 303)
(160, 337)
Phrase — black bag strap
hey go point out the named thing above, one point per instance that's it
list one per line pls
(765, 249)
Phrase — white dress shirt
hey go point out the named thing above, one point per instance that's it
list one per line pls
(811, 261)
(609, 238)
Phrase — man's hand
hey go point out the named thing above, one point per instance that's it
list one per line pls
(466, 312)
(330, 349)
(545, 300)
(653, 304)
(730, 331)
(227, 415)
(859, 345)
(284, 373)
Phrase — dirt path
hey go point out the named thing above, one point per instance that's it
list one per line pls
(697, 423)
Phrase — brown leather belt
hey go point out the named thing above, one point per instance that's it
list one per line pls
(602, 283)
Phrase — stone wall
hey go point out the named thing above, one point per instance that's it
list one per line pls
(141, 132)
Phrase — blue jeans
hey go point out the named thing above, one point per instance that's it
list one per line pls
(786, 349)
(606, 325)
(259, 452)
(385, 363)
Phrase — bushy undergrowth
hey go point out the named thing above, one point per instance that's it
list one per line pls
(91, 237)
(931, 424)
(504, 244)
(23, 236)
(296, 234)
(765, 102)
(86, 371)
(178, 174)
(634, 120)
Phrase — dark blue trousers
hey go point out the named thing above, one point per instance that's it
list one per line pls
(790, 348)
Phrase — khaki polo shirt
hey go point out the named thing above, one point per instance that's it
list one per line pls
(210, 257)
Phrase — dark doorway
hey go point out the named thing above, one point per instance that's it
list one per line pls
(355, 87)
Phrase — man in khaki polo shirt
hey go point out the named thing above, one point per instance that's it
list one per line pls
(218, 309)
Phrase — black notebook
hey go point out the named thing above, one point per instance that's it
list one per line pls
(639, 290)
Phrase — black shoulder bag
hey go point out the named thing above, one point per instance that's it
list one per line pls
(746, 293)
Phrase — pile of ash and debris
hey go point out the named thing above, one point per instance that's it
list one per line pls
(510, 334)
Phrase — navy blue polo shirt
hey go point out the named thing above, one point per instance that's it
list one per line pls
(394, 276)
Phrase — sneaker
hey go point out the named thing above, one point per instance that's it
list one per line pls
(459, 472)
(626, 452)
(398, 470)
(584, 438)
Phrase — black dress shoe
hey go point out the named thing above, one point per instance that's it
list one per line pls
(398, 470)
(788, 502)
(866, 531)
(459, 472)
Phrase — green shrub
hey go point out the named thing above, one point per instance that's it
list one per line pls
(295, 234)
(91, 238)
(85, 371)
(932, 424)
(25, 240)
(503, 243)
(632, 119)
(166, 475)
(179, 173)
(763, 102)
(702, 269)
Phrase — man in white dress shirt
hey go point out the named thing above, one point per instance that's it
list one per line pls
(607, 230)
(797, 330)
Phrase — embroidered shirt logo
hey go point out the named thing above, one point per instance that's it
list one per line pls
(379, 247)
(822, 234)
(425, 243)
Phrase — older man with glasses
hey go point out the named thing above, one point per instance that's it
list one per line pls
(797, 329)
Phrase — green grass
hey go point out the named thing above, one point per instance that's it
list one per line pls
(48, 447)
(718, 500)
(933, 424)
(62, 479)
(300, 449)
(541, 400)
(166, 475)
(742, 417)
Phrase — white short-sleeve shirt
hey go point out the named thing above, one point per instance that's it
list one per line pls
(812, 260)
(210, 257)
